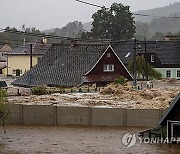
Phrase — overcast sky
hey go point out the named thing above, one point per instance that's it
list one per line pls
(45, 14)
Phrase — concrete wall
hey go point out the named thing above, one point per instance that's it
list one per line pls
(15, 113)
(87, 116)
(142, 117)
(73, 115)
(108, 117)
(38, 114)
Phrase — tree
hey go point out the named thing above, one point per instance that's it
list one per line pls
(141, 68)
(72, 29)
(14, 37)
(158, 36)
(115, 23)
(4, 111)
(142, 30)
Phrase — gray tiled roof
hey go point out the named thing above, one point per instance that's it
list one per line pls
(38, 48)
(65, 65)
(167, 52)
(62, 65)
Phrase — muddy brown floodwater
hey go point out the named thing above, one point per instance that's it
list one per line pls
(74, 140)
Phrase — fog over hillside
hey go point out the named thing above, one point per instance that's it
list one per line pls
(163, 25)
(171, 10)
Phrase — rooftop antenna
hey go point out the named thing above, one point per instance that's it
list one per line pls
(24, 41)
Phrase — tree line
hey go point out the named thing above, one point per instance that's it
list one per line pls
(14, 39)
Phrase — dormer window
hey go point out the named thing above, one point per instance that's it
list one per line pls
(152, 58)
(108, 54)
(108, 68)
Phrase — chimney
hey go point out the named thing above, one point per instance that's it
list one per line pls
(44, 40)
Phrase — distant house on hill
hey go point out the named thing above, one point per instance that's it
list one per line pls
(162, 55)
(172, 38)
(5, 49)
(18, 60)
(75, 64)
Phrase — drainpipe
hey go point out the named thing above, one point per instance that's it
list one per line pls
(30, 75)
(30, 56)
(145, 46)
(7, 65)
(134, 65)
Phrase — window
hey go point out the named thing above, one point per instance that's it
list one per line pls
(108, 54)
(108, 68)
(168, 73)
(128, 54)
(13, 71)
(152, 58)
(178, 73)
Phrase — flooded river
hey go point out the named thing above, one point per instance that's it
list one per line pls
(75, 140)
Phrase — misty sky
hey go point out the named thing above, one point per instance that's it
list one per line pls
(45, 14)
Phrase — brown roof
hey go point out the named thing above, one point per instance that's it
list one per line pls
(6, 48)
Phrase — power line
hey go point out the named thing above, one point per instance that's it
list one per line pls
(136, 14)
(34, 34)
(139, 50)
(146, 15)
(51, 36)
(90, 4)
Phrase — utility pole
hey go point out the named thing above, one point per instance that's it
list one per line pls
(30, 75)
(30, 56)
(145, 47)
(134, 65)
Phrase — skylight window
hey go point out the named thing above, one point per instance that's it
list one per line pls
(128, 54)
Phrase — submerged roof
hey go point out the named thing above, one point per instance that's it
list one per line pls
(175, 104)
(63, 65)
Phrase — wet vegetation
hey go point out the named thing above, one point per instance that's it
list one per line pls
(4, 111)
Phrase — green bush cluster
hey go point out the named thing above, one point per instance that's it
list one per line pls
(39, 90)
(4, 111)
(121, 80)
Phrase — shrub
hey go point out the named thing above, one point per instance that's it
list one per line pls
(4, 111)
(61, 89)
(39, 90)
(95, 89)
(121, 80)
